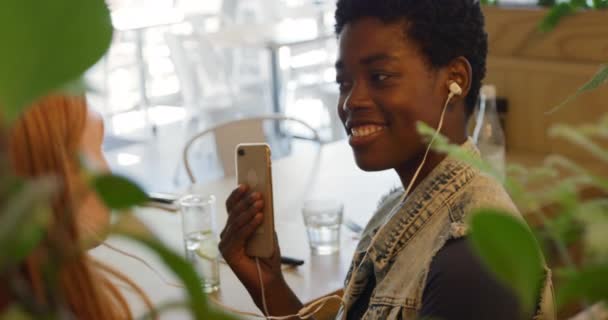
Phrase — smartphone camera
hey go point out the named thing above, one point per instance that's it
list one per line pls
(241, 152)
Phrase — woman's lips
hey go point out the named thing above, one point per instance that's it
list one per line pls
(364, 134)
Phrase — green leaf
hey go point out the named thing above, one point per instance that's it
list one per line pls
(179, 265)
(580, 173)
(75, 87)
(546, 3)
(46, 44)
(566, 227)
(593, 214)
(133, 228)
(555, 15)
(580, 140)
(589, 284)
(15, 312)
(600, 4)
(509, 248)
(182, 269)
(24, 219)
(218, 315)
(580, 4)
(118, 192)
(600, 78)
(442, 144)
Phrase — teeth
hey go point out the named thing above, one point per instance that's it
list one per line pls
(366, 130)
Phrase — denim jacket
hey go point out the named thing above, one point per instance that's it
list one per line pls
(415, 230)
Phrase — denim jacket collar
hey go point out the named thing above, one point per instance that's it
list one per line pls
(408, 217)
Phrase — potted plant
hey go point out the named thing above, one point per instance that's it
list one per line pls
(47, 46)
(565, 219)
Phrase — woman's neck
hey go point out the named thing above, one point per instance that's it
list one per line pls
(407, 171)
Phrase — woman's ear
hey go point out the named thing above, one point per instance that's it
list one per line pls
(461, 72)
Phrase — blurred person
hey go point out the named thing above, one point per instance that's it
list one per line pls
(397, 62)
(53, 137)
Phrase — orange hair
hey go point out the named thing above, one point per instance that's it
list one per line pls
(45, 141)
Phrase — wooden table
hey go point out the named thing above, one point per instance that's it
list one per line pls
(310, 173)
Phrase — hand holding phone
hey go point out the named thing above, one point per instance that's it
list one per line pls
(248, 242)
(244, 217)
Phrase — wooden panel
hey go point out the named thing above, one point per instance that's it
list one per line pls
(509, 29)
(533, 88)
(536, 72)
(582, 37)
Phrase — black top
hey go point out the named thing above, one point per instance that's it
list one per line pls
(457, 287)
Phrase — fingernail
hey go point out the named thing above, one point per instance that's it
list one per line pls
(255, 195)
(259, 203)
(242, 187)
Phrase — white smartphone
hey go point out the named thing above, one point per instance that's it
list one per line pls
(253, 168)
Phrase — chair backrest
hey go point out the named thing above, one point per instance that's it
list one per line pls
(229, 134)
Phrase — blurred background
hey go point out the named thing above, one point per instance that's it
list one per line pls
(177, 67)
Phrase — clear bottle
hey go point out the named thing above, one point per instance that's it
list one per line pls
(486, 131)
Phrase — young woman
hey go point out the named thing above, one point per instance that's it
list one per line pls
(398, 63)
(52, 138)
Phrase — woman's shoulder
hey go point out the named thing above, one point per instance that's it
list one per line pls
(482, 192)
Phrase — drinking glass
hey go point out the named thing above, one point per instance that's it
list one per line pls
(200, 238)
(323, 219)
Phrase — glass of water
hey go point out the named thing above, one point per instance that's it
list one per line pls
(323, 219)
(200, 239)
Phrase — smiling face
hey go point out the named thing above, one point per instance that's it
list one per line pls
(386, 86)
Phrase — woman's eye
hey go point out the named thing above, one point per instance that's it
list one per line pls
(343, 85)
(380, 77)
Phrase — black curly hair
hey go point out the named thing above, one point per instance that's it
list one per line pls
(443, 29)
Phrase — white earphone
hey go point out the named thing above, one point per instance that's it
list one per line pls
(455, 89)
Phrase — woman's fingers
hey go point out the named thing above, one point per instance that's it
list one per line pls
(243, 218)
(236, 195)
(247, 230)
(238, 202)
(236, 220)
(243, 204)
(236, 238)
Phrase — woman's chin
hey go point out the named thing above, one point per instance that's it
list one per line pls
(371, 163)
